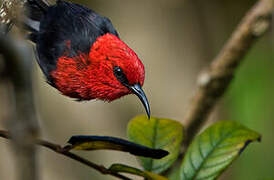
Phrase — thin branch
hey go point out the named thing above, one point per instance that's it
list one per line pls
(58, 149)
(215, 80)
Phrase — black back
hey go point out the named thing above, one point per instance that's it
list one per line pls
(67, 22)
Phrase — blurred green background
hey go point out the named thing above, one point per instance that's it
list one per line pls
(175, 39)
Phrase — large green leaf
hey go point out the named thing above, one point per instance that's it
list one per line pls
(174, 173)
(157, 133)
(120, 168)
(214, 150)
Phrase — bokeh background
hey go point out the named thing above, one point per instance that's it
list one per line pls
(175, 39)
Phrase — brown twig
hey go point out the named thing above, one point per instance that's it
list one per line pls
(215, 80)
(60, 150)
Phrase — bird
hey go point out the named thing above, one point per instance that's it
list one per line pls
(81, 54)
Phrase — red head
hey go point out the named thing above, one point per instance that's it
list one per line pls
(109, 71)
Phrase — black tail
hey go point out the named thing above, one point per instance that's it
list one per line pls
(35, 9)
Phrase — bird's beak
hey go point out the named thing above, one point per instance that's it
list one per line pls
(137, 90)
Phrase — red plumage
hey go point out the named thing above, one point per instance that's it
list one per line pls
(91, 76)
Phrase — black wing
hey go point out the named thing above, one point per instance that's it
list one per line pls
(67, 22)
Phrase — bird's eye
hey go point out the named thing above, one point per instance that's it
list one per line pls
(118, 71)
(119, 74)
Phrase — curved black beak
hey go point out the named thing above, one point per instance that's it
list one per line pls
(137, 90)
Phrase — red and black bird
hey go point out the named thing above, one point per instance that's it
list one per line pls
(81, 54)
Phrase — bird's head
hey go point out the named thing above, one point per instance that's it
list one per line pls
(115, 70)
(110, 71)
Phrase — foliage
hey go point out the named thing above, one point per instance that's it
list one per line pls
(157, 133)
(131, 170)
(215, 149)
(157, 143)
(207, 157)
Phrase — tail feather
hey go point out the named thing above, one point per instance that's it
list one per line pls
(36, 9)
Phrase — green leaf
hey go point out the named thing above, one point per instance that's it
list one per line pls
(157, 133)
(174, 173)
(120, 168)
(213, 151)
(113, 143)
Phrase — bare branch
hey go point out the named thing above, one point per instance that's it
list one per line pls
(215, 80)
(60, 150)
